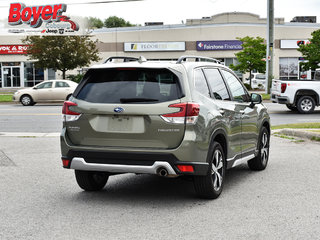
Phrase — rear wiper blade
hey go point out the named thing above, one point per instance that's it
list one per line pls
(129, 100)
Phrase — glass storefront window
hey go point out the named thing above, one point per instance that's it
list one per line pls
(51, 74)
(11, 64)
(288, 68)
(32, 75)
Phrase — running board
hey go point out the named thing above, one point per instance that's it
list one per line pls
(241, 160)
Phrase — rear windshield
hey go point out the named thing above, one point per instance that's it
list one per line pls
(129, 86)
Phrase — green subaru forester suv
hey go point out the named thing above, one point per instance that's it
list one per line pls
(191, 117)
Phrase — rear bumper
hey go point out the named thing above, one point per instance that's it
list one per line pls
(118, 162)
(279, 99)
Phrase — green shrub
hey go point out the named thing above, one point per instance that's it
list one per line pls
(75, 78)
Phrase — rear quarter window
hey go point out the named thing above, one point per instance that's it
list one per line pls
(130, 85)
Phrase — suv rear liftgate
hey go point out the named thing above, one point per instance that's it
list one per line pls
(129, 108)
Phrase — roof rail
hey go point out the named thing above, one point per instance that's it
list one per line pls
(125, 59)
(198, 59)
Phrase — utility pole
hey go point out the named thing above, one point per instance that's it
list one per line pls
(270, 36)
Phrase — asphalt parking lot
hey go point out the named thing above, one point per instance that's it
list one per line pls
(41, 200)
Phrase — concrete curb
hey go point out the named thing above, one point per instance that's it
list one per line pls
(302, 133)
(7, 103)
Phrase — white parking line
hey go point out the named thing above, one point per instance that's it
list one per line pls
(27, 134)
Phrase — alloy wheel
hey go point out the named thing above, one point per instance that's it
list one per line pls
(306, 105)
(217, 170)
(26, 101)
(264, 148)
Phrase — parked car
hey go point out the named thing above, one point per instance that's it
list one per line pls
(46, 91)
(258, 81)
(172, 119)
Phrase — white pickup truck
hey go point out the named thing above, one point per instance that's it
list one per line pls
(298, 95)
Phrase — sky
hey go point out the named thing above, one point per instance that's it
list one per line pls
(175, 11)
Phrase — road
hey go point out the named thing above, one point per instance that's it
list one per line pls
(41, 200)
(46, 118)
(280, 114)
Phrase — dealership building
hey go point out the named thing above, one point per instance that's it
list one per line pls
(215, 36)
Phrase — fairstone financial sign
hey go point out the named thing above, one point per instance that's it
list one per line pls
(154, 46)
(219, 45)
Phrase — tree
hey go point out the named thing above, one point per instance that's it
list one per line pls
(114, 21)
(61, 52)
(311, 52)
(250, 58)
(95, 22)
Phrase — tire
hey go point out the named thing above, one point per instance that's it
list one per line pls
(211, 185)
(26, 100)
(260, 162)
(306, 104)
(292, 107)
(91, 181)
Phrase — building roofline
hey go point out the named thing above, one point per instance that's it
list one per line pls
(184, 26)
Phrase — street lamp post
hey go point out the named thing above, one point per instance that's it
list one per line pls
(269, 57)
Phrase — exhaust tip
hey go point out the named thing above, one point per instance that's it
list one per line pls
(162, 172)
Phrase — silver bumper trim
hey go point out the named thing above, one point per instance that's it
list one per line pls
(242, 160)
(80, 164)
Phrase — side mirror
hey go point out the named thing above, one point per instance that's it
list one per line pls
(255, 99)
(35, 88)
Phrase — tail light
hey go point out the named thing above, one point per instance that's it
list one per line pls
(188, 113)
(283, 87)
(185, 168)
(69, 115)
(65, 162)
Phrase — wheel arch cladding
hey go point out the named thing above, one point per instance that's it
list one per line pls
(305, 93)
(266, 124)
(220, 137)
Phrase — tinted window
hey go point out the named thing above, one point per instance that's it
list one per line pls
(201, 83)
(45, 85)
(237, 91)
(62, 85)
(217, 85)
(129, 86)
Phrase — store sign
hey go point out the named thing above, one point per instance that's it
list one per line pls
(36, 16)
(219, 45)
(154, 47)
(13, 49)
(293, 44)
